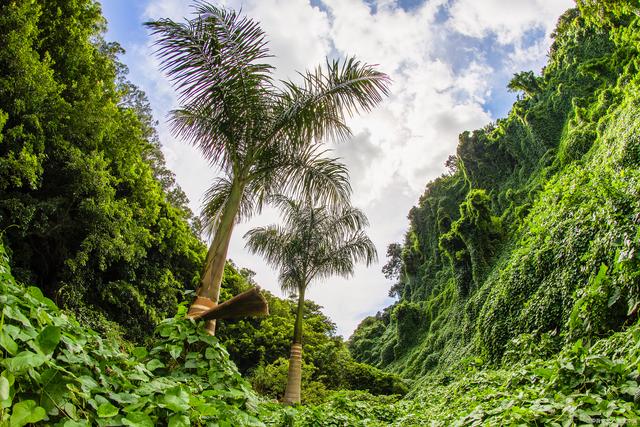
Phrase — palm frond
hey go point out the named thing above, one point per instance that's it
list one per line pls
(215, 200)
(347, 221)
(214, 57)
(204, 127)
(341, 260)
(312, 243)
(307, 173)
(318, 108)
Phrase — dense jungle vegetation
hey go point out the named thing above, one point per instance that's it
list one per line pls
(518, 282)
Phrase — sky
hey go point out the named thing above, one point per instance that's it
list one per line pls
(449, 60)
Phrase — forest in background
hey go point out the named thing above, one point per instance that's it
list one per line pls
(518, 280)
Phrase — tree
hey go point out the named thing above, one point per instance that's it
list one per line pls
(313, 243)
(87, 206)
(263, 136)
(524, 81)
(392, 270)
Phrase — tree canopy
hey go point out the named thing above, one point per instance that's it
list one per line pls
(88, 208)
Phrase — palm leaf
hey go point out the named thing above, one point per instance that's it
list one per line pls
(312, 243)
(317, 108)
(213, 58)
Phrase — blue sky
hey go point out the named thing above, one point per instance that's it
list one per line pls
(126, 27)
(450, 61)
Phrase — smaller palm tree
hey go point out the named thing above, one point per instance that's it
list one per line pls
(313, 243)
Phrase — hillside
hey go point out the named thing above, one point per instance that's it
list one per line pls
(535, 230)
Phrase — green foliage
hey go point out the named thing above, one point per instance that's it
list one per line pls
(534, 236)
(260, 348)
(608, 12)
(581, 385)
(392, 270)
(409, 318)
(55, 371)
(519, 277)
(471, 242)
(526, 82)
(92, 215)
(270, 381)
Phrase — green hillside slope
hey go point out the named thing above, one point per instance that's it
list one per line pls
(536, 230)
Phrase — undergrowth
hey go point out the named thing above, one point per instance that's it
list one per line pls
(55, 372)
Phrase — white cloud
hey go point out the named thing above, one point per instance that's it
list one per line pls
(436, 94)
(507, 20)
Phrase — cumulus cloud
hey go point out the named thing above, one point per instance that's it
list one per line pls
(449, 60)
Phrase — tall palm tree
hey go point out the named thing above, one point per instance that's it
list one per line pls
(312, 243)
(264, 136)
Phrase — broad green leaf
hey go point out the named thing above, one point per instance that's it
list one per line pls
(601, 276)
(175, 351)
(87, 383)
(23, 361)
(38, 295)
(138, 376)
(48, 339)
(633, 307)
(5, 389)
(154, 364)
(544, 372)
(207, 410)
(26, 412)
(210, 353)
(137, 419)
(8, 343)
(615, 296)
(139, 352)
(107, 410)
(73, 423)
(178, 420)
(15, 314)
(177, 399)
(124, 397)
(70, 409)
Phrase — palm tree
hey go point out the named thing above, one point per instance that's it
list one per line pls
(313, 243)
(264, 136)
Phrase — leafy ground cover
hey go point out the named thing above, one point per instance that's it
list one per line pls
(56, 372)
(581, 385)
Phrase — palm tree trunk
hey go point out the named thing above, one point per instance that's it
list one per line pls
(209, 290)
(294, 377)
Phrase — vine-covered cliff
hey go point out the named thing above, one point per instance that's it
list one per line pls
(536, 227)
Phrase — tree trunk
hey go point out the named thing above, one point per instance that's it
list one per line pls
(209, 290)
(294, 377)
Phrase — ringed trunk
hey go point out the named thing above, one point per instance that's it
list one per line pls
(209, 290)
(294, 377)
